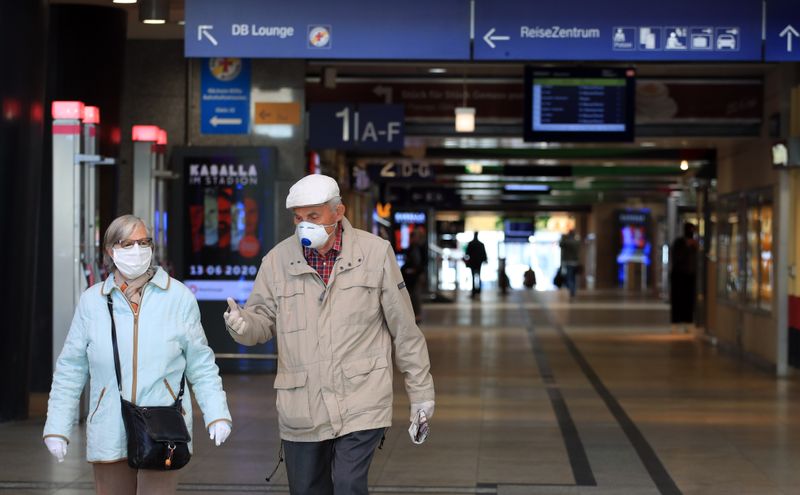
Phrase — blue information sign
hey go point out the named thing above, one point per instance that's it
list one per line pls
(622, 30)
(346, 126)
(783, 31)
(344, 29)
(225, 96)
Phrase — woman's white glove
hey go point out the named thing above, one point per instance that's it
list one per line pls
(426, 406)
(233, 317)
(57, 446)
(219, 432)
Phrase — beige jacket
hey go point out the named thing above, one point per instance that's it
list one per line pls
(334, 343)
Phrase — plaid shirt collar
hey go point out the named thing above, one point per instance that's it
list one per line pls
(323, 264)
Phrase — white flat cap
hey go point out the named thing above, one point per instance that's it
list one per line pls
(312, 190)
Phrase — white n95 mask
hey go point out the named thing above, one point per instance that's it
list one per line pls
(312, 235)
(132, 262)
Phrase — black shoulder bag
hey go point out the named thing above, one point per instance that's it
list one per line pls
(157, 436)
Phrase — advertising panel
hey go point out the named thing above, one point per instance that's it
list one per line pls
(229, 207)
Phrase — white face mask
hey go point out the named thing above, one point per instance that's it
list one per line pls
(312, 235)
(133, 261)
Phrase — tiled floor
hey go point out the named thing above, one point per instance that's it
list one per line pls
(535, 395)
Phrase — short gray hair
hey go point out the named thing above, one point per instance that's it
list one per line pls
(121, 228)
(334, 203)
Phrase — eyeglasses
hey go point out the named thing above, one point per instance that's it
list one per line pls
(144, 242)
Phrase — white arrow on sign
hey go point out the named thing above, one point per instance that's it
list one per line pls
(789, 31)
(204, 30)
(490, 38)
(385, 91)
(215, 121)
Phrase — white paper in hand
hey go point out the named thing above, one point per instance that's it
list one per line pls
(419, 429)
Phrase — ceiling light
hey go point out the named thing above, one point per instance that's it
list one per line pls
(527, 188)
(465, 119)
(125, 1)
(154, 11)
(474, 168)
(437, 70)
(684, 165)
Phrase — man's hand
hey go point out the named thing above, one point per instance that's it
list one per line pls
(57, 446)
(233, 317)
(426, 406)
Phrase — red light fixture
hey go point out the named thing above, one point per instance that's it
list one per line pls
(91, 115)
(145, 133)
(67, 110)
(162, 137)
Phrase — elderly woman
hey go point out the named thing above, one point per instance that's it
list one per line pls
(159, 339)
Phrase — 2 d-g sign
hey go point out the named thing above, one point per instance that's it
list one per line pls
(225, 96)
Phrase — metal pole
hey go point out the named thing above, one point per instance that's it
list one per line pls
(90, 242)
(781, 233)
(143, 180)
(160, 208)
(66, 228)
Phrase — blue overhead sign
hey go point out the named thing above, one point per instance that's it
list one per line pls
(783, 31)
(341, 29)
(630, 30)
(225, 96)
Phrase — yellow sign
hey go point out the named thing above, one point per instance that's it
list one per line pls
(277, 113)
(384, 210)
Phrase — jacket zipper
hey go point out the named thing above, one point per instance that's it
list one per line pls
(136, 344)
(99, 400)
(135, 341)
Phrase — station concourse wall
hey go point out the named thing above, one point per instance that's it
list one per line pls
(745, 166)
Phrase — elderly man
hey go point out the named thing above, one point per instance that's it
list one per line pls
(334, 297)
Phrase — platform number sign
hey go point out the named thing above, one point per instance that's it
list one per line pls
(363, 127)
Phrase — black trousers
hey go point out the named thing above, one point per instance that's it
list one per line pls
(476, 280)
(332, 467)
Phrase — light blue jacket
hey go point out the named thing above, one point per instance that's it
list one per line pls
(154, 349)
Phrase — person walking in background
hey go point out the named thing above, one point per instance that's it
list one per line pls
(683, 275)
(334, 297)
(161, 340)
(502, 278)
(414, 268)
(474, 258)
(570, 260)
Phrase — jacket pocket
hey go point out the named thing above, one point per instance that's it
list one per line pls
(293, 400)
(291, 316)
(361, 291)
(172, 394)
(97, 406)
(368, 384)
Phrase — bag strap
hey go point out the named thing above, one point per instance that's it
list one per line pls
(114, 344)
(116, 353)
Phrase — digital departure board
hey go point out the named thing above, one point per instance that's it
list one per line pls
(579, 104)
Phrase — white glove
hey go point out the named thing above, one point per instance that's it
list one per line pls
(219, 432)
(233, 317)
(426, 406)
(57, 446)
